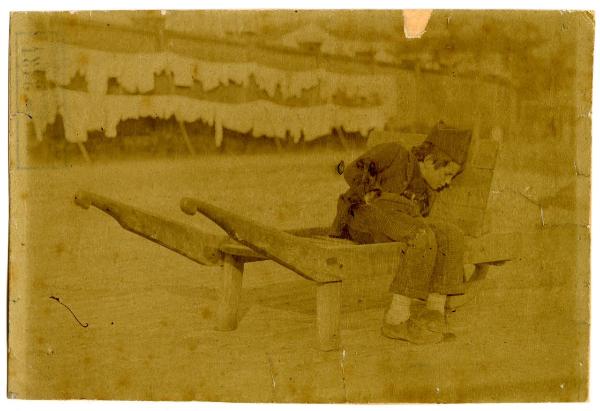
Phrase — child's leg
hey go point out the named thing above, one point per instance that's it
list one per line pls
(448, 272)
(399, 325)
(433, 317)
(447, 276)
(399, 310)
(419, 258)
(436, 302)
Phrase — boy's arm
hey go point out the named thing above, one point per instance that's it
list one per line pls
(363, 174)
(344, 205)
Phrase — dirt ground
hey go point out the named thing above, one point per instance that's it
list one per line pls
(151, 312)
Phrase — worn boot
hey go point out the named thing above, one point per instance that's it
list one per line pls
(431, 320)
(412, 332)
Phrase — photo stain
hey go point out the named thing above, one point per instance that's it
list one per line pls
(84, 325)
(206, 313)
(124, 381)
(189, 395)
(59, 248)
(192, 343)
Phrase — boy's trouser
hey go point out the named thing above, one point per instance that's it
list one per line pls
(433, 258)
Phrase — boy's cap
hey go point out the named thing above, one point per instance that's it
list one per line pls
(452, 142)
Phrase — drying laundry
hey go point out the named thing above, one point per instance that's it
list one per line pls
(137, 76)
(236, 117)
(42, 111)
(318, 121)
(182, 69)
(261, 117)
(190, 110)
(294, 125)
(300, 81)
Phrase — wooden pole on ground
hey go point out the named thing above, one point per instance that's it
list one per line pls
(84, 152)
(233, 269)
(278, 144)
(328, 315)
(343, 140)
(186, 138)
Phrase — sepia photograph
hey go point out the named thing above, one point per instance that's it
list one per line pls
(300, 206)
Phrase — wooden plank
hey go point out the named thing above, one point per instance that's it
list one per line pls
(471, 290)
(188, 241)
(465, 201)
(227, 314)
(232, 247)
(336, 258)
(469, 219)
(286, 249)
(483, 154)
(493, 247)
(329, 304)
(470, 188)
(317, 235)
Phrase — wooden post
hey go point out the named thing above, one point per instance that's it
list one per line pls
(186, 138)
(278, 145)
(480, 272)
(84, 152)
(342, 137)
(473, 285)
(328, 315)
(233, 269)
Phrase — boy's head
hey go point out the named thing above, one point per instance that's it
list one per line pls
(442, 155)
(437, 168)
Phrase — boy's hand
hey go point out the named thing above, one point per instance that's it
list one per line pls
(372, 196)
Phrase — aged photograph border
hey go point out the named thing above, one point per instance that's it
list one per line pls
(230, 4)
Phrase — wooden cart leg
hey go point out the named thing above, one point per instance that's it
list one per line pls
(328, 315)
(473, 285)
(233, 269)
